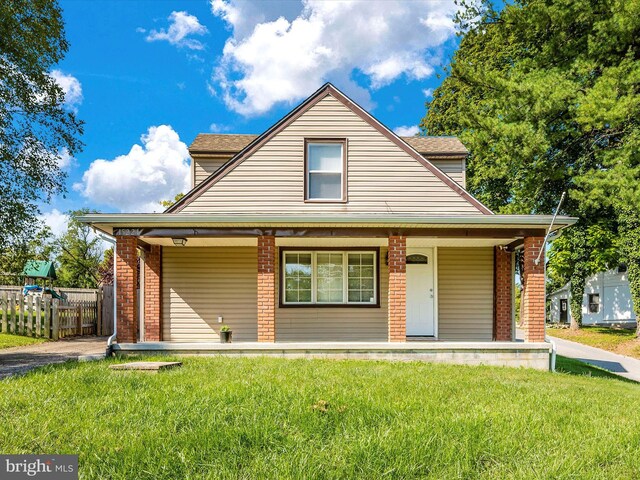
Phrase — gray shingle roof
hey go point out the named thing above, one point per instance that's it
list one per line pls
(233, 143)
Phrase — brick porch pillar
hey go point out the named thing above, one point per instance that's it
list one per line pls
(266, 288)
(127, 288)
(534, 290)
(153, 294)
(503, 296)
(397, 256)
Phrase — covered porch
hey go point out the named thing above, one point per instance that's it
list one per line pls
(443, 288)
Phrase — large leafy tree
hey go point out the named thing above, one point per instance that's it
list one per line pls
(79, 254)
(35, 127)
(545, 93)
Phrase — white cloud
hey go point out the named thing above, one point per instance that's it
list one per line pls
(71, 87)
(285, 53)
(407, 131)
(181, 26)
(56, 220)
(428, 92)
(136, 182)
(218, 128)
(65, 159)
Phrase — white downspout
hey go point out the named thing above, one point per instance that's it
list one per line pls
(112, 338)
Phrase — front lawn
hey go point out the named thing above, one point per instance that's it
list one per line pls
(276, 418)
(617, 340)
(8, 340)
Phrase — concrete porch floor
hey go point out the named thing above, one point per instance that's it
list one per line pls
(514, 354)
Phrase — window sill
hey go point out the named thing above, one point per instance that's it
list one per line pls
(329, 305)
(318, 200)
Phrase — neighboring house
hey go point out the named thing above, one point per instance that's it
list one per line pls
(329, 234)
(606, 300)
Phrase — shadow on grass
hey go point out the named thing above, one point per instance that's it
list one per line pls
(576, 367)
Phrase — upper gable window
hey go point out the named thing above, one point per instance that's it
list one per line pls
(325, 162)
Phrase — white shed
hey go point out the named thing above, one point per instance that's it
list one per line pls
(606, 300)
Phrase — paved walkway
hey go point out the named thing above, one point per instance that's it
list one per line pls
(619, 364)
(18, 360)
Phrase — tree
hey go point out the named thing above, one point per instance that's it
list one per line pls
(105, 269)
(80, 254)
(630, 240)
(170, 203)
(35, 127)
(546, 96)
(13, 260)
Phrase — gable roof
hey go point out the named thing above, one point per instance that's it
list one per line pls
(322, 92)
(233, 143)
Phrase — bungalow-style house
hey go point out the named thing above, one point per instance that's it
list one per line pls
(330, 235)
(606, 300)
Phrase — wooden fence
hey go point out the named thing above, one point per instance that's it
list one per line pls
(46, 318)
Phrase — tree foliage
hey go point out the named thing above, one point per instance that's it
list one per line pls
(545, 94)
(35, 127)
(79, 254)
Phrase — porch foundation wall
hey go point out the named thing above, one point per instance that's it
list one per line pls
(534, 356)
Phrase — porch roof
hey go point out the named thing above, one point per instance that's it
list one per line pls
(111, 222)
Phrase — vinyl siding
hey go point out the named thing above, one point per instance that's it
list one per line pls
(381, 177)
(336, 324)
(453, 168)
(205, 166)
(201, 283)
(465, 294)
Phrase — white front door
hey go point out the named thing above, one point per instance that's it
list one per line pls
(420, 294)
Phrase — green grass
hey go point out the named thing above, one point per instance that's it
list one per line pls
(8, 340)
(267, 418)
(617, 340)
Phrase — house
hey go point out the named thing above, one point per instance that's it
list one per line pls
(606, 300)
(330, 235)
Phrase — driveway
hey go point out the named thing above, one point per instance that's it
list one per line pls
(18, 360)
(619, 364)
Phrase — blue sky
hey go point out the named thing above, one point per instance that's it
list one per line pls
(148, 76)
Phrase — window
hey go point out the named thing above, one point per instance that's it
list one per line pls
(324, 166)
(594, 302)
(329, 278)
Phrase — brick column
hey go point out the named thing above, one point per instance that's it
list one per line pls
(397, 256)
(503, 296)
(153, 294)
(534, 290)
(266, 288)
(127, 288)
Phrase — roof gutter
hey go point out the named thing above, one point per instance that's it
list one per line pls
(142, 219)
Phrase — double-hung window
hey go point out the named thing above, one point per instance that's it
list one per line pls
(324, 170)
(326, 277)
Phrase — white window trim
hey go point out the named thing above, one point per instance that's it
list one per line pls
(314, 277)
(309, 171)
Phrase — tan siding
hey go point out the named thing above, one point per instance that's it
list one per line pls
(336, 324)
(465, 293)
(454, 169)
(203, 166)
(382, 178)
(201, 283)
